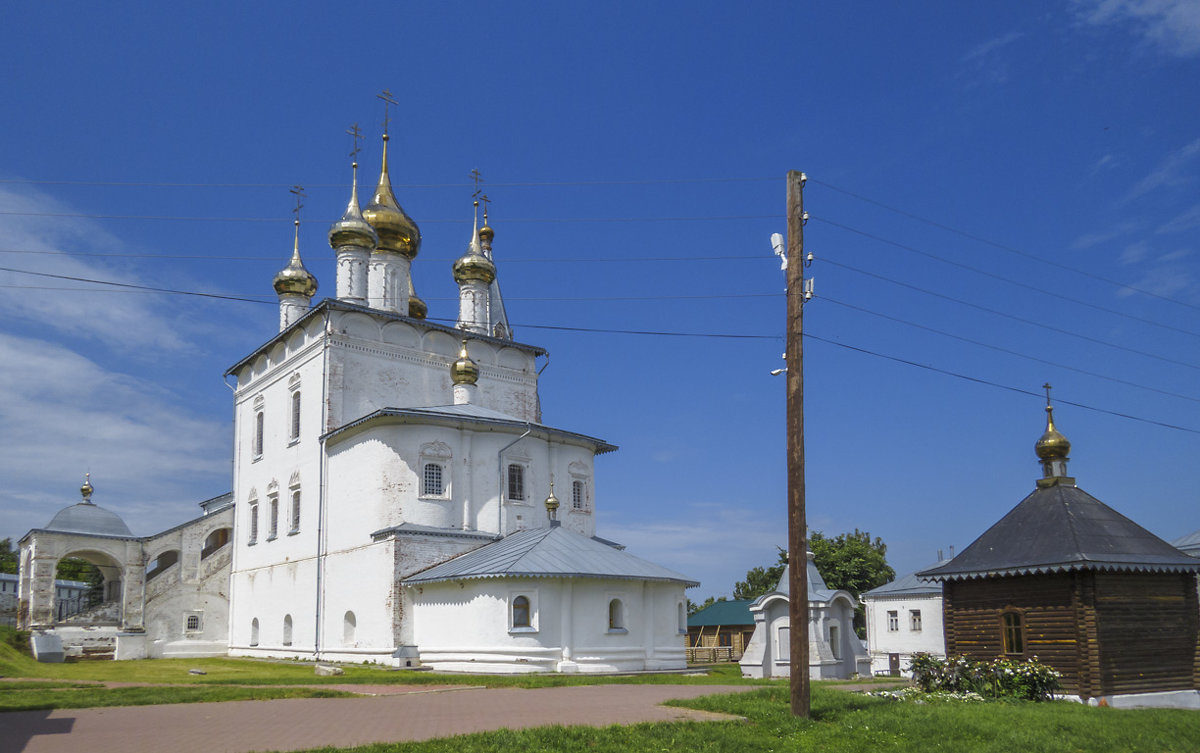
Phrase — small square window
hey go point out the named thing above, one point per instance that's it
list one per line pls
(192, 624)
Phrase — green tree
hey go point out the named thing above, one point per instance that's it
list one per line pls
(693, 607)
(851, 561)
(8, 557)
(761, 580)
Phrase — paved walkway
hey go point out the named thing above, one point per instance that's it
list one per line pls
(406, 713)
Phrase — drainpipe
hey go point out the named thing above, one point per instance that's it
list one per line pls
(500, 478)
(321, 487)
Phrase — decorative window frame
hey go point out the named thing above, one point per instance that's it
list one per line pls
(273, 510)
(252, 505)
(523, 462)
(532, 596)
(435, 453)
(295, 405)
(581, 479)
(258, 430)
(294, 500)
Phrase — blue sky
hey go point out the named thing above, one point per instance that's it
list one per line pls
(1006, 191)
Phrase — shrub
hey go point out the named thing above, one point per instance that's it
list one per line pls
(1000, 678)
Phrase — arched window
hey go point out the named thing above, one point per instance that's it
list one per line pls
(1014, 634)
(431, 481)
(349, 626)
(516, 482)
(520, 612)
(215, 541)
(287, 630)
(616, 615)
(294, 434)
(161, 563)
(577, 495)
(254, 632)
(835, 641)
(258, 434)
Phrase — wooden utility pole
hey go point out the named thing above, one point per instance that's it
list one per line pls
(797, 525)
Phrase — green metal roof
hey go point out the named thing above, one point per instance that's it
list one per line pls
(736, 612)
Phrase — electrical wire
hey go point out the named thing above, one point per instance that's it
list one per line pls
(1001, 246)
(1014, 317)
(997, 348)
(1054, 294)
(513, 220)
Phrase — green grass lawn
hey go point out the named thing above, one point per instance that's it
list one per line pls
(850, 723)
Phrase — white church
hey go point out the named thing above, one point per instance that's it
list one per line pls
(394, 498)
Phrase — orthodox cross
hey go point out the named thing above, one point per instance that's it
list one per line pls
(1046, 387)
(298, 192)
(477, 177)
(355, 134)
(484, 198)
(388, 99)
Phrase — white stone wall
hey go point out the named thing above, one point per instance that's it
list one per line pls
(904, 640)
(467, 625)
(833, 648)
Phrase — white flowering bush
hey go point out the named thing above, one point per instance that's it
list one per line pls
(1000, 678)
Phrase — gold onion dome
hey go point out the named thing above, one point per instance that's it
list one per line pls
(473, 265)
(1053, 445)
(551, 501)
(486, 233)
(464, 370)
(416, 307)
(87, 488)
(397, 232)
(294, 279)
(352, 229)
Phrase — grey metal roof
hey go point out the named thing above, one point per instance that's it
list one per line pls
(1062, 528)
(412, 529)
(472, 414)
(548, 553)
(908, 585)
(333, 303)
(1189, 544)
(817, 589)
(85, 517)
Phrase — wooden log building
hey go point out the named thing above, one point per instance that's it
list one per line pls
(1065, 578)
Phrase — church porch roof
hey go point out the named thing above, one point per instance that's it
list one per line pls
(554, 552)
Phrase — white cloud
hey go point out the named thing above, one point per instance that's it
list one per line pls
(1087, 240)
(1190, 218)
(983, 63)
(1172, 26)
(1107, 162)
(64, 414)
(1168, 174)
(995, 43)
(1135, 253)
(128, 320)
(1168, 279)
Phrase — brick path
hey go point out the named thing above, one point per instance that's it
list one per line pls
(415, 713)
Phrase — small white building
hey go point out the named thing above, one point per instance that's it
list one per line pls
(904, 617)
(834, 651)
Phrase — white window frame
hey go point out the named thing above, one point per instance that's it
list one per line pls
(187, 619)
(252, 503)
(259, 437)
(294, 511)
(440, 455)
(914, 620)
(294, 428)
(522, 482)
(531, 595)
(273, 509)
(893, 621)
(582, 480)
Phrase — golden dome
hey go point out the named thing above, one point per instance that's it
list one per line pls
(397, 232)
(294, 279)
(1053, 445)
(486, 233)
(464, 370)
(551, 502)
(416, 307)
(87, 488)
(352, 229)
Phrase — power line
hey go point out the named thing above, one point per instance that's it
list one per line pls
(999, 349)
(1001, 246)
(503, 184)
(1014, 317)
(507, 220)
(997, 385)
(131, 286)
(1055, 294)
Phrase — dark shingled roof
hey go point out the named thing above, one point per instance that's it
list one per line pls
(1062, 528)
(729, 613)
